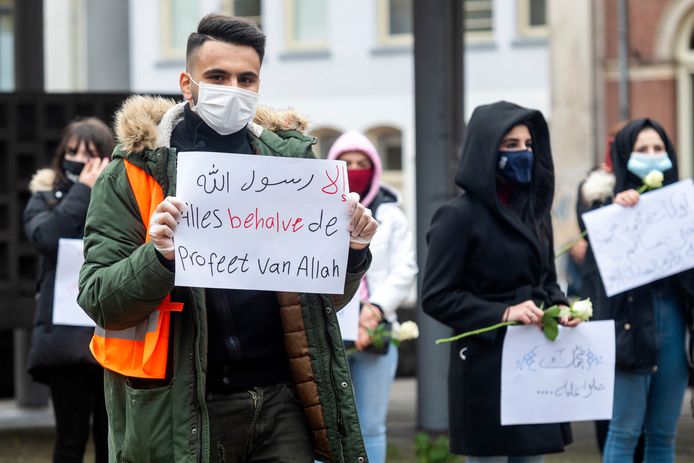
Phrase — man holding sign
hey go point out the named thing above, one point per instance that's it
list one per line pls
(211, 374)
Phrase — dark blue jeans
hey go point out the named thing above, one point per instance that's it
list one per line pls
(264, 424)
(651, 402)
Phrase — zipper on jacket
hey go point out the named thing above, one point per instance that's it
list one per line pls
(332, 375)
(196, 360)
(166, 172)
(254, 396)
(338, 410)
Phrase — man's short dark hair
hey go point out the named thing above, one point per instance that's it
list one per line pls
(229, 29)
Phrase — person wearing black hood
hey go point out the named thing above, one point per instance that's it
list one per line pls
(650, 321)
(59, 354)
(490, 260)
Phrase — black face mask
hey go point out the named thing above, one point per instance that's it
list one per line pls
(72, 170)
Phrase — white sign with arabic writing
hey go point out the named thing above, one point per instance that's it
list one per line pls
(262, 222)
(348, 318)
(66, 311)
(569, 379)
(636, 245)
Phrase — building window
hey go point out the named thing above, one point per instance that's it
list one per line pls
(478, 19)
(249, 9)
(307, 24)
(325, 139)
(532, 18)
(6, 46)
(388, 143)
(178, 19)
(395, 22)
(396, 27)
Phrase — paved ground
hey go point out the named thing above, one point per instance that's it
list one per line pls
(26, 436)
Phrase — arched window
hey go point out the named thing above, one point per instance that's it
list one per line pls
(388, 142)
(326, 137)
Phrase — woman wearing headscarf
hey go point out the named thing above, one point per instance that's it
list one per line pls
(650, 321)
(491, 260)
(59, 355)
(386, 285)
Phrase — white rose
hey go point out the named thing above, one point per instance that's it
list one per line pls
(582, 310)
(654, 179)
(408, 330)
(564, 311)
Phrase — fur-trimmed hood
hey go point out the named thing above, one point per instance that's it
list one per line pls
(146, 122)
(42, 180)
(597, 187)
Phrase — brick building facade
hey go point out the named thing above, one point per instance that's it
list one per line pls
(661, 67)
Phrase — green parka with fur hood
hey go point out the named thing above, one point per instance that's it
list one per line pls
(122, 281)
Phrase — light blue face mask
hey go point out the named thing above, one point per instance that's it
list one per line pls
(641, 164)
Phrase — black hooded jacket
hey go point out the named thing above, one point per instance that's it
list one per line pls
(55, 212)
(633, 311)
(483, 257)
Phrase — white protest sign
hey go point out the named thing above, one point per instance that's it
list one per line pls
(348, 318)
(262, 222)
(636, 245)
(569, 379)
(66, 311)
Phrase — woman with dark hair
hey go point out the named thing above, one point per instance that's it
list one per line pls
(59, 355)
(491, 260)
(651, 320)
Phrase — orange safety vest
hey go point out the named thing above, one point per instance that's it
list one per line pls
(141, 350)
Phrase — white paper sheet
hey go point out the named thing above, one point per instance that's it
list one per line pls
(636, 245)
(569, 379)
(348, 317)
(66, 311)
(262, 222)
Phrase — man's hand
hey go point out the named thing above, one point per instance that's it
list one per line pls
(91, 171)
(369, 317)
(362, 226)
(163, 223)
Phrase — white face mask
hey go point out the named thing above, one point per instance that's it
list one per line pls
(224, 108)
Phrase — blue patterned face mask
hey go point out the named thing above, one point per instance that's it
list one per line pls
(516, 166)
(641, 164)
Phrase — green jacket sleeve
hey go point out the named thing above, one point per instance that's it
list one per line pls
(121, 281)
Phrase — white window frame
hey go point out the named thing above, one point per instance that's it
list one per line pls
(523, 18)
(167, 50)
(479, 36)
(292, 43)
(320, 134)
(228, 8)
(384, 35)
(381, 137)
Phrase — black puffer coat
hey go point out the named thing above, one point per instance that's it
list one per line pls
(484, 257)
(633, 311)
(52, 214)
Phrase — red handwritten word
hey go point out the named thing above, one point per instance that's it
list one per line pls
(332, 187)
(258, 221)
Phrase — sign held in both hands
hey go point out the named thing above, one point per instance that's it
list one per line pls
(637, 245)
(262, 222)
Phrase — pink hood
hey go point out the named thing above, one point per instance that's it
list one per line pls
(355, 141)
